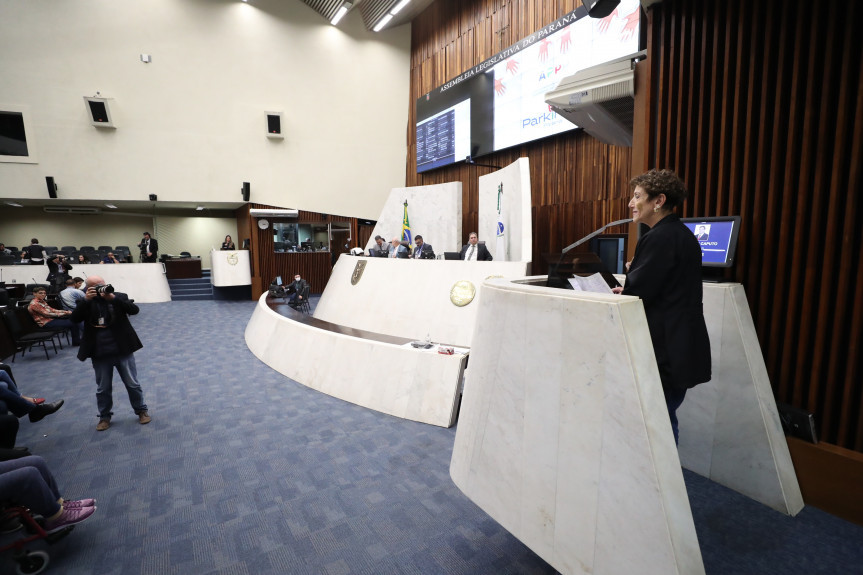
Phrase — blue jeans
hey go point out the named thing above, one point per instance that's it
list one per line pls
(10, 399)
(674, 399)
(62, 322)
(28, 481)
(104, 368)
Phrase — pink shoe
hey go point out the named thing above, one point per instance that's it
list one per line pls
(78, 503)
(69, 517)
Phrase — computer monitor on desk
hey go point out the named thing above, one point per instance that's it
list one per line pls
(451, 255)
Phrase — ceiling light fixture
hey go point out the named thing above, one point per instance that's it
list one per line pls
(200, 208)
(384, 21)
(14, 205)
(112, 206)
(397, 8)
(341, 13)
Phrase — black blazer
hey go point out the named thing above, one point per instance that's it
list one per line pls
(121, 328)
(482, 253)
(666, 274)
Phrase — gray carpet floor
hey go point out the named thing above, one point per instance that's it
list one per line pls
(245, 472)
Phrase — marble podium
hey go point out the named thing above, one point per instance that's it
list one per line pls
(564, 437)
(230, 268)
(729, 427)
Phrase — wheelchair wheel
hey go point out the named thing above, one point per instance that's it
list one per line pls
(32, 563)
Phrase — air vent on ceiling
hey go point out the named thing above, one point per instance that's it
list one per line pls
(273, 213)
(71, 210)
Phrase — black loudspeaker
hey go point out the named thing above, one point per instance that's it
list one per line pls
(600, 8)
(52, 187)
(153, 197)
(247, 191)
(274, 124)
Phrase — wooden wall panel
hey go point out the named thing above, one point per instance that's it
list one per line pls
(266, 264)
(759, 109)
(578, 183)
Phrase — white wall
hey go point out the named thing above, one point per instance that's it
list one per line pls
(19, 225)
(191, 124)
(194, 235)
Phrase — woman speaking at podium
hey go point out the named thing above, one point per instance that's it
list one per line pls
(666, 274)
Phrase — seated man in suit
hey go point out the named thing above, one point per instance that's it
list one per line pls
(398, 250)
(474, 251)
(422, 251)
(296, 288)
(380, 249)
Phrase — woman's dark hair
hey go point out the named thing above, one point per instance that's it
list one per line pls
(657, 182)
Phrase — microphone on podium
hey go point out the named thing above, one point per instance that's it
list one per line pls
(596, 233)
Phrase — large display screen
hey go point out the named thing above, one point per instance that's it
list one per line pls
(505, 95)
(717, 237)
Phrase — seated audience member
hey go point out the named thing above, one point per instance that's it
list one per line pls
(34, 253)
(82, 259)
(28, 481)
(47, 316)
(295, 288)
(8, 435)
(72, 293)
(11, 401)
(110, 259)
(398, 250)
(422, 251)
(4, 250)
(475, 251)
(228, 244)
(380, 249)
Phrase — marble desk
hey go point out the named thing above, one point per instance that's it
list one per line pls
(408, 298)
(144, 283)
(378, 373)
(564, 437)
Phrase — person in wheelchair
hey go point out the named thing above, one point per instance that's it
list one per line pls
(296, 290)
(28, 482)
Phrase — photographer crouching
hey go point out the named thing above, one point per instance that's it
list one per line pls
(110, 341)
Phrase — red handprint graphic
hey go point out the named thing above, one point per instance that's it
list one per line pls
(512, 66)
(605, 23)
(565, 40)
(543, 50)
(630, 26)
(499, 88)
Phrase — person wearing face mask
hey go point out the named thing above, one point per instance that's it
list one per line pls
(666, 274)
(296, 289)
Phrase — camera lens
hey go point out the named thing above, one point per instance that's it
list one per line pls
(103, 289)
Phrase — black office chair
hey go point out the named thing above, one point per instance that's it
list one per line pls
(106, 249)
(69, 249)
(87, 249)
(25, 341)
(30, 326)
(8, 259)
(303, 304)
(50, 250)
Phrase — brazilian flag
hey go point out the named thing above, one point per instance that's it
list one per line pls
(406, 227)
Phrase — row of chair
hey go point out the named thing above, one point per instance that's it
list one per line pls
(25, 333)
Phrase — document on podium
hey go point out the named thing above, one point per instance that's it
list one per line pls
(594, 283)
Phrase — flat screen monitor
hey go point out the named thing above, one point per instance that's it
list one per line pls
(500, 102)
(452, 255)
(278, 280)
(717, 237)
